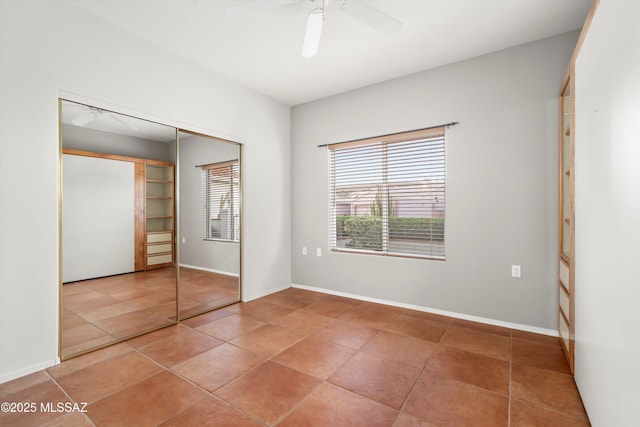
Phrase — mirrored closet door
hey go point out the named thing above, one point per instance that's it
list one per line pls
(209, 212)
(119, 191)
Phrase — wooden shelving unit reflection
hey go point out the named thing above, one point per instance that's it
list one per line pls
(159, 214)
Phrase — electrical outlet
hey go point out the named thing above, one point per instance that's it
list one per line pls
(318, 252)
(515, 271)
(304, 250)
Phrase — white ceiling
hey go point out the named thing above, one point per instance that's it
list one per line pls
(261, 48)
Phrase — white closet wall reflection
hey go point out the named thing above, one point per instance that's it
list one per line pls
(121, 179)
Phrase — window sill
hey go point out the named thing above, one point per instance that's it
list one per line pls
(390, 254)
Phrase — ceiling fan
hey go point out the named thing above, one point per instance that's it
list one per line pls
(357, 9)
(93, 114)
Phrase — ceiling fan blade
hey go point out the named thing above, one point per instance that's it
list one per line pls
(249, 5)
(371, 16)
(123, 122)
(83, 119)
(312, 33)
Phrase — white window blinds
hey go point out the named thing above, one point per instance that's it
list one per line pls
(387, 195)
(220, 201)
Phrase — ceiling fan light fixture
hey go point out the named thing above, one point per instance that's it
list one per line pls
(313, 33)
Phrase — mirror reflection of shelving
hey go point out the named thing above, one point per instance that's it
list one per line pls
(159, 209)
(159, 194)
(210, 276)
(566, 173)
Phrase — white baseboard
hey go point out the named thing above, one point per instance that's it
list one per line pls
(210, 270)
(247, 298)
(517, 326)
(28, 370)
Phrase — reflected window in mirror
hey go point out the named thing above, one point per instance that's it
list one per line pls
(220, 201)
(132, 256)
(210, 212)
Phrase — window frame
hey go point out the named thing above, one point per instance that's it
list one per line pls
(233, 200)
(436, 134)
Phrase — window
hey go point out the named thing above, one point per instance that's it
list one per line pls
(220, 201)
(387, 195)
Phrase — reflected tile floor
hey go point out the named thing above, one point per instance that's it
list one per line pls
(301, 358)
(107, 309)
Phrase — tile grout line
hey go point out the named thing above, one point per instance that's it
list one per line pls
(208, 393)
(510, 377)
(422, 371)
(85, 414)
(130, 385)
(356, 351)
(294, 407)
(324, 381)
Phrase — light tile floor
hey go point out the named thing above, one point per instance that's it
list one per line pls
(300, 358)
